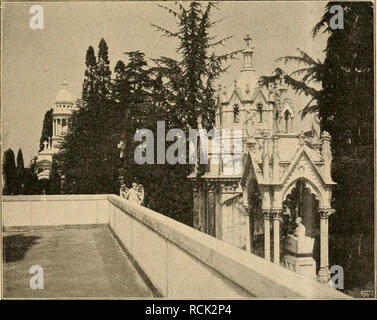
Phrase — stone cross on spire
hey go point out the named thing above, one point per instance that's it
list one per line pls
(121, 146)
(248, 39)
(247, 54)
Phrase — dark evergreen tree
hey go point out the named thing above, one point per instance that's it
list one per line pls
(137, 76)
(103, 73)
(182, 92)
(46, 128)
(88, 158)
(346, 109)
(30, 181)
(89, 89)
(20, 172)
(121, 86)
(191, 79)
(55, 181)
(9, 173)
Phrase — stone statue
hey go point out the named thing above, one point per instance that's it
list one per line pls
(135, 194)
(300, 230)
(298, 252)
(250, 124)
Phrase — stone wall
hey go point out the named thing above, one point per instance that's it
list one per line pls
(54, 210)
(179, 261)
(183, 262)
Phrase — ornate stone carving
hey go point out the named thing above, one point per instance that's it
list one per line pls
(134, 194)
(323, 213)
(249, 124)
(301, 138)
(266, 214)
(276, 214)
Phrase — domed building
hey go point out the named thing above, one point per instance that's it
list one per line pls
(61, 116)
(62, 112)
(284, 171)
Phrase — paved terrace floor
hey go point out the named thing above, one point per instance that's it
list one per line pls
(76, 263)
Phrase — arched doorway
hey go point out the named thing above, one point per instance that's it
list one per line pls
(301, 202)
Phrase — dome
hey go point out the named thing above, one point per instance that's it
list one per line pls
(63, 95)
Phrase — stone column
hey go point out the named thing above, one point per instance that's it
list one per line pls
(275, 216)
(267, 252)
(196, 208)
(248, 234)
(218, 217)
(323, 274)
(202, 208)
(211, 211)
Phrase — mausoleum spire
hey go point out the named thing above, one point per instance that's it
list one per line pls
(247, 55)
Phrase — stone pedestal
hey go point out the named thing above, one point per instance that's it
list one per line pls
(302, 265)
(298, 256)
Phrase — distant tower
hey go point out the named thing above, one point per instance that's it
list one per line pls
(61, 116)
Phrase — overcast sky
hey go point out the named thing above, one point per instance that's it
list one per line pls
(34, 62)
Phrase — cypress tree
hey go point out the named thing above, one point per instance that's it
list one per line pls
(20, 172)
(346, 109)
(89, 88)
(46, 128)
(88, 156)
(9, 173)
(103, 73)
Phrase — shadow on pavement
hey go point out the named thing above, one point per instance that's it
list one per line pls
(16, 246)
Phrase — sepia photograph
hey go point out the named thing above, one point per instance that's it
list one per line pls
(188, 150)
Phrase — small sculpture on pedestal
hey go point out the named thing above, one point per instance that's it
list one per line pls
(300, 230)
(135, 194)
(299, 251)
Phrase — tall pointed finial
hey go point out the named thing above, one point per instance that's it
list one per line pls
(247, 54)
(248, 39)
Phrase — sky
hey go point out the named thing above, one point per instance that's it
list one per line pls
(35, 62)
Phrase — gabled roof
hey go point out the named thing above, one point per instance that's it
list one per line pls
(251, 164)
(246, 83)
(261, 90)
(304, 152)
(238, 93)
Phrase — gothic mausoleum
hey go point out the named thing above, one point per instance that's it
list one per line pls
(278, 206)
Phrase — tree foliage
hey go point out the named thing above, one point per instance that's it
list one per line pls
(46, 128)
(9, 173)
(190, 80)
(346, 110)
(177, 91)
(20, 171)
(345, 107)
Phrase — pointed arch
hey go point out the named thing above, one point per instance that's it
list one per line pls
(309, 184)
(260, 112)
